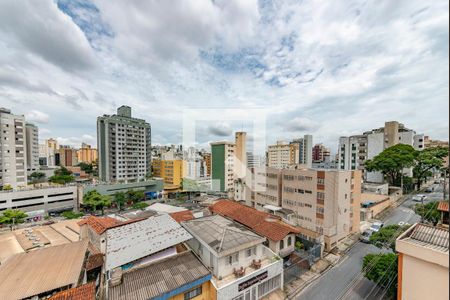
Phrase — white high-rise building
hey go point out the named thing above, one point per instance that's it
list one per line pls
(13, 158)
(305, 150)
(32, 138)
(124, 147)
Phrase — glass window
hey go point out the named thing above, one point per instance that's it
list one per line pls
(193, 293)
(289, 241)
(281, 245)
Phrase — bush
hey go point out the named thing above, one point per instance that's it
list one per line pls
(140, 205)
(72, 215)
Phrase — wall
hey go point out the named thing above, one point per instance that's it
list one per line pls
(47, 199)
(423, 280)
(218, 167)
(207, 293)
(154, 185)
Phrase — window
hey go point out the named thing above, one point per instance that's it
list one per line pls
(249, 252)
(281, 245)
(269, 285)
(193, 293)
(233, 258)
(289, 241)
(320, 181)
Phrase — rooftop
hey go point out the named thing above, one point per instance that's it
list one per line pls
(83, 292)
(443, 206)
(42, 270)
(139, 239)
(14, 242)
(158, 279)
(222, 234)
(101, 224)
(427, 236)
(264, 224)
(182, 216)
(165, 208)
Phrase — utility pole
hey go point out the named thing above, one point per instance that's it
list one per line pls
(445, 183)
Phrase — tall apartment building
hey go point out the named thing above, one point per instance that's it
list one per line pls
(207, 159)
(320, 153)
(46, 155)
(87, 154)
(280, 156)
(240, 160)
(124, 147)
(13, 158)
(353, 151)
(253, 160)
(32, 142)
(222, 166)
(67, 156)
(53, 144)
(305, 146)
(325, 204)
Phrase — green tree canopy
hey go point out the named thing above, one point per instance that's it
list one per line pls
(135, 195)
(387, 235)
(7, 187)
(392, 161)
(72, 215)
(88, 168)
(140, 205)
(62, 176)
(35, 176)
(382, 269)
(95, 200)
(429, 211)
(12, 216)
(428, 160)
(119, 199)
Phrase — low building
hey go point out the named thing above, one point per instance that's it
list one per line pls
(241, 265)
(82, 292)
(152, 188)
(373, 204)
(165, 208)
(178, 277)
(37, 202)
(423, 263)
(443, 207)
(171, 171)
(31, 239)
(43, 272)
(280, 235)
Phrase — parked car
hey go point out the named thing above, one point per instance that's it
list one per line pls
(365, 236)
(429, 189)
(376, 226)
(419, 198)
(48, 222)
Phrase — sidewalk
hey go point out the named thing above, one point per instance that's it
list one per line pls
(322, 265)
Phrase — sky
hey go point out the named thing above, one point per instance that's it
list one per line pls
(326, 68)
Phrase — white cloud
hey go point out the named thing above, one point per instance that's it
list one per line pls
(37, 116)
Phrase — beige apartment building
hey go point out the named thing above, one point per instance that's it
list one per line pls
(423, 263)
(281, 155)
(87, 154)
(325, 204)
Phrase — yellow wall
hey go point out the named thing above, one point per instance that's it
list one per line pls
(208, 293)
(172, 171)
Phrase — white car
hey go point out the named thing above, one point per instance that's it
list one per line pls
(419, 198)
(376, 226)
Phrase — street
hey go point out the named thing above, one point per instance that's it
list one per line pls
(345, 280)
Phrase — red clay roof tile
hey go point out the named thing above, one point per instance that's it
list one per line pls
(182, 216)
(83, 292)
(101, 224)
(443, 206)
(262, 223)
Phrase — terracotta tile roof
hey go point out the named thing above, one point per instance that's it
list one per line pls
(94, 261)
(101, 224)
(443, 206)
(182, 216)
(83, 292)
(262, 223)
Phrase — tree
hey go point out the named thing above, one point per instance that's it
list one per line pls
(392, 161)
(382, 269)
(119, 199)
(429, 212)
(7, 187)
(37, 176)
(88, 168)
(426, 161)
(140, 205)
(135, 196)
(387, 235)
(62, 176)
(94, 200)
(12, 216)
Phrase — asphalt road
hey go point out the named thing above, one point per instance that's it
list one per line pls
(345, 281)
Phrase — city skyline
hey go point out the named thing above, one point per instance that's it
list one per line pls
(329, 70)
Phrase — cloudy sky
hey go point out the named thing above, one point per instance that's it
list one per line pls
(327, 68)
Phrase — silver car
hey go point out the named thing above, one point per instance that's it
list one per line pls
(365, 236)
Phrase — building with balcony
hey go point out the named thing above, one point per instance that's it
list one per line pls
(13, 158)
(67, 156)
(282, 155)
(423, 263)
(241, 266)
(87, 154)
(124, 147)
(171, 171)
(222, 166)
(32, 142)
(320, 154)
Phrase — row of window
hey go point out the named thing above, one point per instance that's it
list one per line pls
(299, 178)
(288, 189)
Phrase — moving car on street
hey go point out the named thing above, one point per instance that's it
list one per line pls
(419, 198)
(376, 226)
(365, 236)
